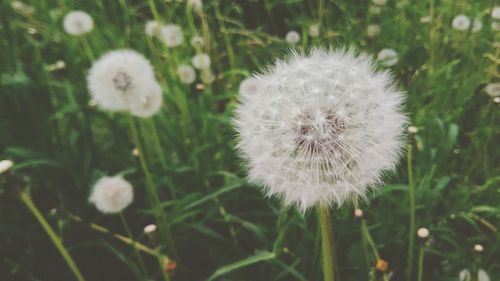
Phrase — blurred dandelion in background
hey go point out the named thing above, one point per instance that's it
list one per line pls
(292, 37)
(388, 57)
(111, 194)
(78, 23)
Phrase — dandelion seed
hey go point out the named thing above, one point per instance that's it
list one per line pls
(379, 2)
(123, 80)
(186, 73)
(358, 213)
(171, 35)
(292, 37)
(313, 30)
(493, 89)
(478, 248)
(373, 30)
(320, 128)
(78, 23)
(388, 57)
(111, 194)
(5, 165)
(423, 233)
(477, 25)
(201, 61)
(461, 23)
(150, 228)
(152, 28)
(196, 5)
(495, 13)
(412, 130)
(249, 86)
(197, 41)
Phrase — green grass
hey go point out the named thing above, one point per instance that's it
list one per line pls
(222, 226)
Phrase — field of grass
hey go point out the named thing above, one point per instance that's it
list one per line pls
(212, 223)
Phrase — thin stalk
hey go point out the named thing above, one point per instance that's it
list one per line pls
(421, 263)
(151, 190)
(280, 225)
(26, 199)
(136, 251)
(327, 243)
(153, 9)
(87, 49)
(225, 37)
(411, 199)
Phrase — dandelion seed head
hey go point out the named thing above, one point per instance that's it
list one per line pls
(496, 99)
(313, 30)
(461, 23)
(123, 80)
(78, 23)
(292, 37)
(388, 57)
(150, 228)
(111, 194)
(5, 165)
(477, 25)
(495, 13)
(493, 89)
(310, 149)
(171, 35)
(197, 41)
(423, 233)
(201, 61)
(152, 28)
(358, 213)
(186, 73)
(478, 248)
(373, 30)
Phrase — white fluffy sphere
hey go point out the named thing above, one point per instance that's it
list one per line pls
(152, 28)
(373, 30)
(493, 89)
(201, 61)
(292, 37)
(313, 30)
(197, 41)
(495, 13)
(186, 73)
(387, 57)
(461, 23)
(320, 128)
(171, 35)
(5, 165)
(121, 80)
(148, 102)
(111, 194)
(78, 23)
(477, 25)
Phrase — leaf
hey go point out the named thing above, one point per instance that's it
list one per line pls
(260, 256)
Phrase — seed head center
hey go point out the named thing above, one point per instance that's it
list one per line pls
(122, 81)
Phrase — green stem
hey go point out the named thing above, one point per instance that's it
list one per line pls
(411, 199)
(327, 243)
(53, 236)
(151, 189)
(153, 9)
(87, 49)
(136, 251)
(280, 225)
(421, 263)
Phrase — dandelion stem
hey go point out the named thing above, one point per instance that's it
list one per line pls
(327, 243)
(26, 199)
(87, 49)
(136, 251)
(153, 9)
(411, 199)
(421, 263)
(151, 189)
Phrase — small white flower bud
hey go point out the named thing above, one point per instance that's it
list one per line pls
(423, 233)
(292, 37)
(5, 165)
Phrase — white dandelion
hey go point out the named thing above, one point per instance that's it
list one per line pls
(461, 23)
(493, 89)
(78, 23)
(249, 86)
(5, 165)
(423, 233)
(148, 102)
(111, 194)
(495, 26)
(186, 73)
(171, 35)
(152, 28)
(477, 25)
(292, 37)
(313, 30)
(196, 5)
(388, 57)
(495, 13)
(122, 80)
(197, 41)
(201, 61)
(373, 30)
(320, 128)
